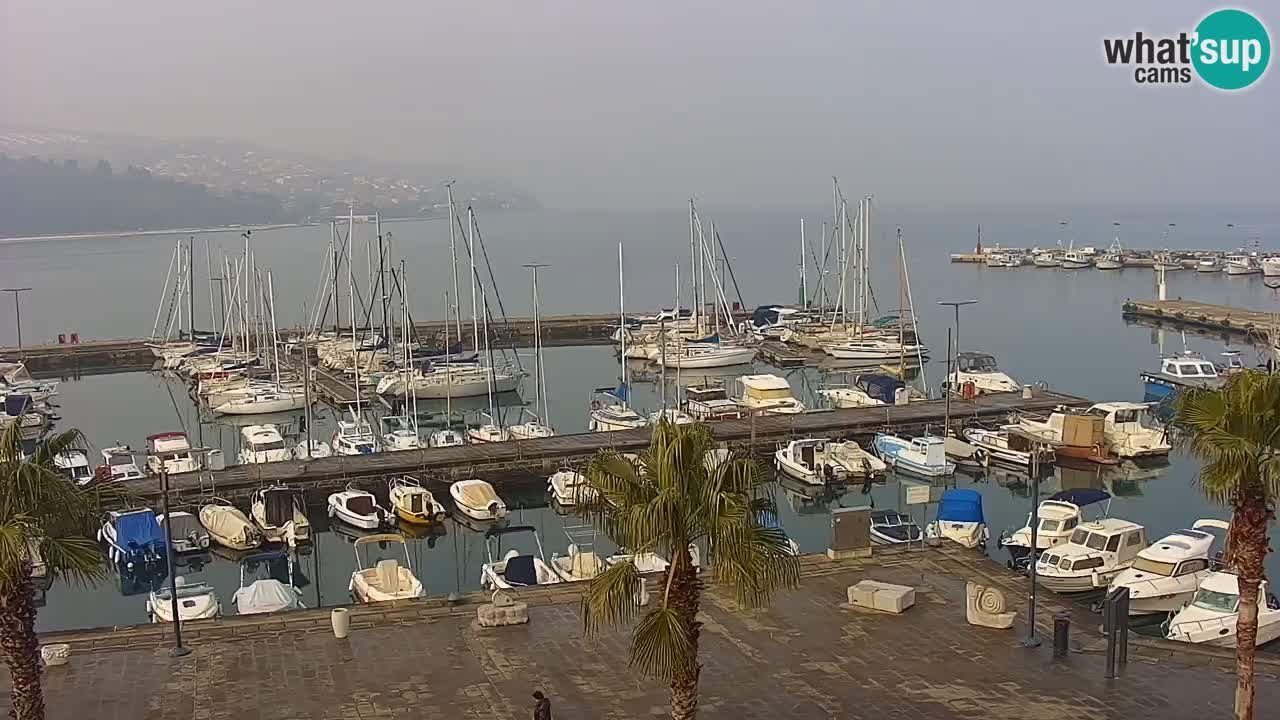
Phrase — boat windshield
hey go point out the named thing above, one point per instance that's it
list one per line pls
(1155, 567)
(1216, 601)
(778, 394)
(1051, 525)
(268, 445)
(1093, 541)
(119, 460)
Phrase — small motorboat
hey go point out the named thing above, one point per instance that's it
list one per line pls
(317, 449)
(1008, 445)
(281, 513)
(120, 464)
(867, 391)
(358, 508)
(890, 527)
(264, 593)
(515, 570)
(569, 487)
(610, 411)
(1211, 616)
(262, 444)
(1096, 553)
(1075, 436)
(1058, 517)
(580, 562)
(1047, 259)
(196, 601)
(1209, 264)
(188, 534)
(644, 562)
(960, 519)
(170, 452)
(980, 371)
(1130, 431)
(768, 394)
(228, 526)
(413, 503)
(383, 579)
(134, 538)
(477, 500)
(1075, 260)
(819, 461)
(926, 455)
(446, 438)
(73, 463)
(1178, 372)
(769, 519)
(273, 401)
(1166, 575)
(354, 437)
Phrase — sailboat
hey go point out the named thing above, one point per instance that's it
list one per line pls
(536, 427)
(609, 407)
(277, 399)
(401, 432)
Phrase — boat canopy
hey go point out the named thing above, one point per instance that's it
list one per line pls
(138, 529)
(880, 387)
(961, 505)
(280, 504)
(976, 362)
(512, 530)
(708, 340)
(1082, 496)
(16, 405)
(481, 494)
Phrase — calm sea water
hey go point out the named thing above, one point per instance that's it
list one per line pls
(1063, 328)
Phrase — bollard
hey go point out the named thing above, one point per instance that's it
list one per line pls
(1061, 633)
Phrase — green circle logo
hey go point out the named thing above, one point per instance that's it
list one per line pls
(1232, 49)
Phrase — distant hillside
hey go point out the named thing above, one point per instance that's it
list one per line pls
(39, 197)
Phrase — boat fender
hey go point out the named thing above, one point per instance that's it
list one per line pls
(866, 486)
(981, 457)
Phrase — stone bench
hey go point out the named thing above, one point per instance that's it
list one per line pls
(882, 596)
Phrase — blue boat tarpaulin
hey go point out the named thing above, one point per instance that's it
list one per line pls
(1082, 496)
(961, 505)
(139, 529)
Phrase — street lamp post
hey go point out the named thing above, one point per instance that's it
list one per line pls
(17, 312)
(179, 649)
(956, 305)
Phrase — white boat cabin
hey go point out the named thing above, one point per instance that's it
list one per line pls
(768, 393)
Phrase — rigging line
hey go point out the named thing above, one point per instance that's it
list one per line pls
(494, 284)
(724, 255)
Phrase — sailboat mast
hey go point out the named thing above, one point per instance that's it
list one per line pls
(408, 353)
(453, 256)
(448, 373)
(351, 296)
(191, 285)
(804, 275)
(545, 417)
(693, 272)
(471, 253)
(275, 339)
(337, 306)
(622, 320)
(866, 259)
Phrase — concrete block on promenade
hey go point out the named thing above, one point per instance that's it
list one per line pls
(986, 607)
(504, 610)
(882, 596)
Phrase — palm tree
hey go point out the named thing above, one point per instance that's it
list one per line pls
(48, 519)
(1235, 432)
(678, 493)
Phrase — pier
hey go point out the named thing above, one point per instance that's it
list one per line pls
(1219, 318)
(428, 658)
(542, 456)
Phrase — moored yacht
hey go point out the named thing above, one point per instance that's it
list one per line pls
(281, 514)
(1178, 372)
(819, 461)
(354, 437)
(1129, 430)
(262, 444)
(866, 391)
(768, 394)
(1214, 611)
(73, 463)
(1243, 264)
(1011, 447)
(1209, 264)
(1047, 259)
(515, 569)
(1058, 517)
(924, 455)
(981, 370)
(960, 518)
(710, 402)
(1096, 552)
(358, 508)
(170, 452)
(1165, 575)
(1271, 266)
(610, 411)
(1076, 260)
(120, 464)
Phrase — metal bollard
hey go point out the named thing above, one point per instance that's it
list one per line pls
(1061, 633)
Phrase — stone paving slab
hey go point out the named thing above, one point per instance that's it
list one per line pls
(809, 656)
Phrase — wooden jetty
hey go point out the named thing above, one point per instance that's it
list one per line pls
(781, 355)
(1221, 318)
(540, 457)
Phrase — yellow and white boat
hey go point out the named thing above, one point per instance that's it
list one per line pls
(414, 503)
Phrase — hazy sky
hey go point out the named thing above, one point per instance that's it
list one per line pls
(641, 104)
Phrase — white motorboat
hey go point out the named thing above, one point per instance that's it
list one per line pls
(1130, 431)
(73, 463)
(1076, 260)
(1166, 575)
(1097, 552)
(610, 412)
(960, 519)
(996, 259)
(264, 593)
(1271, 266)
(1211, 616)
(477, 500)
(711, 402)
(579, 563)
(358, 508)
(768, 394)
(281, 514)
(228, 526)
(1048, 259)
(120, 464)
(873, 350)
(693, 355)
(926, 455)
(1058, 517)
(1010, 447)
(1167, 262)
(1113, 258)
(133, 538)
(384, 579)
(1180, 371)
(980, 370)
(274, 401)
(890, 527)
(21, 410)
(819, 461)
(188, 534)
(196, 601)
(1243, 264)
(316, 449)
(644, 562)
(170, 452)
(1209, 264)
(446, 438)
(568, 487)
(413, 503)
(354, 437)
(514, 569)
(399, 433)
(867, 391)
(262, 444)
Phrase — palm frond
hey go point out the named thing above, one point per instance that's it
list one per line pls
(754, 562)
(77, 559)
(611, 598)
(661, 645)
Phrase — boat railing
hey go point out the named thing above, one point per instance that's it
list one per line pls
(1212, 624)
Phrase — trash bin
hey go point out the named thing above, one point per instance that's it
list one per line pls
(216, 460)
(1061, 633)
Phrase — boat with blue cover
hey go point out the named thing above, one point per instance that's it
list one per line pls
(960, 518)
(134, 538)
(925, 455)
(1057, 519)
